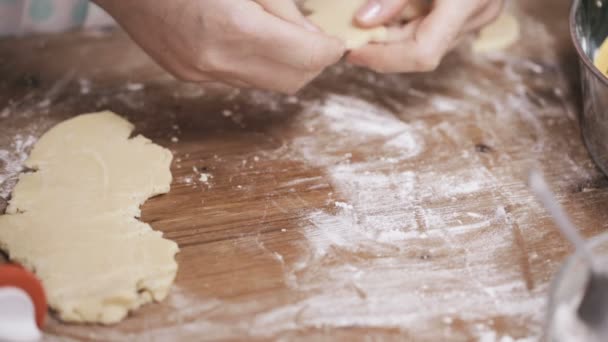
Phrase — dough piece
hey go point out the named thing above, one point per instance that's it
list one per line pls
(336, 18)
(74, 220)
(499, 35)
(601, 58)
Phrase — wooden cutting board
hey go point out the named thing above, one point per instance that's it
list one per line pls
(367, 206)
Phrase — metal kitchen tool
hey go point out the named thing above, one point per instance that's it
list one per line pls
(589, 29)
(593, 309)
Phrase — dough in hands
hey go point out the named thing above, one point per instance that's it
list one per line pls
(499, 35)
(73, 221)
(336, 18)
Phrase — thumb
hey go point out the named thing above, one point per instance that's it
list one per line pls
(378, 12)
(288, 11)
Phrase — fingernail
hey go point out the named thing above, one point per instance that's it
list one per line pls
(370, 11)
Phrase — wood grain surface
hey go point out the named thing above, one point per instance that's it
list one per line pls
(367, 207)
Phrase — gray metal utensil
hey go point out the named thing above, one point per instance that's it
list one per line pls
(593, 310)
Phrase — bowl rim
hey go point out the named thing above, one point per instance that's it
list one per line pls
(582, 55)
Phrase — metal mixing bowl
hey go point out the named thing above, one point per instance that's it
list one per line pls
(589, 29)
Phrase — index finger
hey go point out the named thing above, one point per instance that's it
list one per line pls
(291, 44)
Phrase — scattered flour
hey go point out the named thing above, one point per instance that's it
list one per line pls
(188, 180)
(205, 177)
(421, 226)
(11, 162)
(134, 86)
(443, 104)
(85, 86)
(344, 206)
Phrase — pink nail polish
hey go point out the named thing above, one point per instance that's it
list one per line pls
(370, 11)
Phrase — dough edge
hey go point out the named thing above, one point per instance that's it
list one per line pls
(116, 306)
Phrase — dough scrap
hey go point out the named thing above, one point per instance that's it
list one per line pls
(499, 35)
(74, 220)
(336, 18)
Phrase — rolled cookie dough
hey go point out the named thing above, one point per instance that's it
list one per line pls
(336, 18)
(73, 221)
(498, 35)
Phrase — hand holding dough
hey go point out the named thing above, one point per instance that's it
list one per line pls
(421, 45)
(337, 18)
(73, 221)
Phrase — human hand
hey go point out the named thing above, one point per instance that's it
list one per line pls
(264, 43)
(420, 44)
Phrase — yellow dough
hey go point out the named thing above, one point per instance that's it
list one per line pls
(601, 58)
(336, 18)
(415, 9)
(498, 35)
(73, 221)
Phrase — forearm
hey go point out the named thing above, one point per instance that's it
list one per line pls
(244, 43)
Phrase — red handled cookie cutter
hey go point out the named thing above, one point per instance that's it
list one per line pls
(23, 305)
